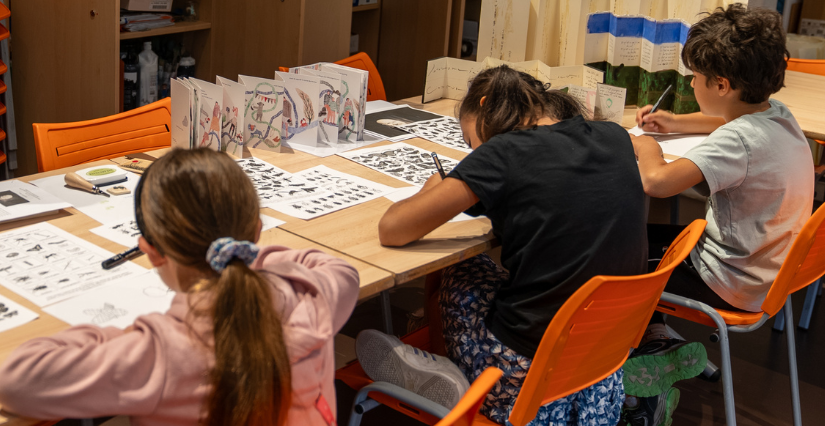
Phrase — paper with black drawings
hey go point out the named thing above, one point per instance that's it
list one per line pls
(117, 304)
(46, 264)
(13, 315)
(344, 190)
(401, 161)
(275, 185)
(443, 131)
(126, 233)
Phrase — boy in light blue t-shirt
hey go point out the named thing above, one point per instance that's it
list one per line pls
(755, 168)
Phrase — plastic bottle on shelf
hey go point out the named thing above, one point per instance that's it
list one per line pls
(131, 71)
(148, 75)
(186, 67)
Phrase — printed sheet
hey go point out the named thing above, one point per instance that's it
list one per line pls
(276, 186)
(46, 264)
(13, 315)
(443, 131)
(117, 304)
(401, 161)
(344, 190)
(100, 208)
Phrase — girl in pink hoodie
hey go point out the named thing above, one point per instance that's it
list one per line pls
(248, 339)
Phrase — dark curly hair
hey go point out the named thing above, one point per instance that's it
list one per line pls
(747, 47)
(514, 100)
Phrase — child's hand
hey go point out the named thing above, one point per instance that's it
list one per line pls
(642, 143)
(659, 121)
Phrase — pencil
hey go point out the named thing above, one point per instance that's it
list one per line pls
(438, 165)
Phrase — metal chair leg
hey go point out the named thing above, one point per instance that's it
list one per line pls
(779, 321)
(797, 411)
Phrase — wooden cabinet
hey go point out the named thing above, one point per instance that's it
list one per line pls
(66, 53)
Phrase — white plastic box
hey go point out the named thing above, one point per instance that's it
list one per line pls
(147, 5)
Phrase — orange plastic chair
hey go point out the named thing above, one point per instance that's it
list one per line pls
(362, 61)
(464, 413)
(588, 339)
(67, 144)
(808, 66)
(804, 264)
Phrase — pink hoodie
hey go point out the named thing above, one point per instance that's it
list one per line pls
(158, 373)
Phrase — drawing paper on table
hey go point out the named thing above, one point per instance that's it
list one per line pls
(12, 314)
(118, 303)
(100, 208)
(401, 161)
(376, 106)
(386, 122)
(408, 191)
(275, 185)
(46, 264)
(676, 144)
(443, 131)
(343, 190)
(19, 200)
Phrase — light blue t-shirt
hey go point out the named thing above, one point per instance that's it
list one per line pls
(760, 175)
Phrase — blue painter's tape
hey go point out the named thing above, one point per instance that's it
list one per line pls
(649, 30)
(599, 23)
(668, 32)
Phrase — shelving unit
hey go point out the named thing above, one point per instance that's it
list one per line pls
(179, 27)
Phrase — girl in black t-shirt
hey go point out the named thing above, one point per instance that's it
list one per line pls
(563, 194)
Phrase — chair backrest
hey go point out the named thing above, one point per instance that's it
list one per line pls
(67, 144)
(465, 411)
(809, 66)
(375, 86)
(804, 264)
(591, 335)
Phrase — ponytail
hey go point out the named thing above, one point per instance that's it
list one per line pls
(513, 100)
(201, 210)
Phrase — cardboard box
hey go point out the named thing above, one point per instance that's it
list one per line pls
(147, 5)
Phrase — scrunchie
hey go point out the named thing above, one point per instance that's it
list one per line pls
(222, 250)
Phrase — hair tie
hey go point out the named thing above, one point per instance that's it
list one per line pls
(222, 250)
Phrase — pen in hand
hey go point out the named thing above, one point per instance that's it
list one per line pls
(121, 258)
(438, 165)
(661, 98)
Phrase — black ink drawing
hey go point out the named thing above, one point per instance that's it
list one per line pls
(400, 160)
(275, 185)
(443, 131)
(107, 313)
(9, 198)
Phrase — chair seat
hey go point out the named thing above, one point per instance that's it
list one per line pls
(730, 317)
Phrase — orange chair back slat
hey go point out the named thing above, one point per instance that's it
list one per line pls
(808, 66)
(375, 86)
(804, 264)
(465, 411)
(601, 320)
(67, 144)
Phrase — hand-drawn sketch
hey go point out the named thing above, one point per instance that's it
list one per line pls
(401, 161)
(275, 185)
(45, 264)
(13, 315)
(263, 113)
(443, 131)
(105, 314)
(342, 190)
(125, 232)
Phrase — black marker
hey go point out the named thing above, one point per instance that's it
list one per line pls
(438, 165)
(661, 98)
(122, 257)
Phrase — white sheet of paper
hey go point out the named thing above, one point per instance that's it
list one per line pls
(117, 304)
(676, 144)
(13, 315)
(377, 106)
(343, 190)
(443, 131)
(401, 161)
(275, 185)
(115, 208)
(19, 199)
(409, 191)
(46, 264)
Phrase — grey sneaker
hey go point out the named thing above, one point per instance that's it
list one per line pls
(386, 358)
(652, 411)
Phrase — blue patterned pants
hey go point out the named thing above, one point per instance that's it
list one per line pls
(466, 294)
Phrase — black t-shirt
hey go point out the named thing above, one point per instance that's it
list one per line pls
(567, 203)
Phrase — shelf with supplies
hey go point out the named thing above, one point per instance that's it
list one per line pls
(179, 27)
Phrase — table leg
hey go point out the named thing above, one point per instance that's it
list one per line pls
(674, 210)
(386, 312)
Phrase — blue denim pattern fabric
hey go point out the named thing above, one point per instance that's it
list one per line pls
(466, 294)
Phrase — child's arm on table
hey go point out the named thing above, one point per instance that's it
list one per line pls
(661, 179)
(665, 122)
(437, 202)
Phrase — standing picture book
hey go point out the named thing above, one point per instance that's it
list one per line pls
(196, 111)
(262, 112)
(642, 55)
(299, 125)
(232, 119)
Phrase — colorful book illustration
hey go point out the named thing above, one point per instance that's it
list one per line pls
(263, 113)
(642, 55)
(232, 117)
(300, 103)
(329, 99)
(210, 97)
